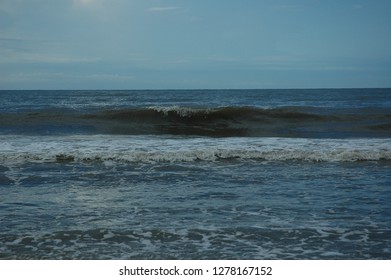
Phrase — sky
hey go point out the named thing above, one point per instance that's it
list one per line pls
(194, 44)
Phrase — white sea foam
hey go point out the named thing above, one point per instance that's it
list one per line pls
(109, 148)
(180, 111)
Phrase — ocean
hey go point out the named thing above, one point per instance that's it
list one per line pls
(195, 174)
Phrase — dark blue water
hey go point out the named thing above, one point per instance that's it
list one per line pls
(252, 174)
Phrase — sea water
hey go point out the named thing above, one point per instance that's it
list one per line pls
(195, 174)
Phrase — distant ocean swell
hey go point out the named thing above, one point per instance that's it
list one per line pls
(306, 122)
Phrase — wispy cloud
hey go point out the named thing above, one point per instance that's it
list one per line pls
(84, 2)
(163, 9)
(92, 4)
(21, 56)
(286, 7)
(110, 77)
(34, 77)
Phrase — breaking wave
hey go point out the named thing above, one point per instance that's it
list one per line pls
(104, 148)
(305, 122)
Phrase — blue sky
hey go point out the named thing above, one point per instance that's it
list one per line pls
(171, 44)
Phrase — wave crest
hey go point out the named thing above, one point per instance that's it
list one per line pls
(301, 122)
